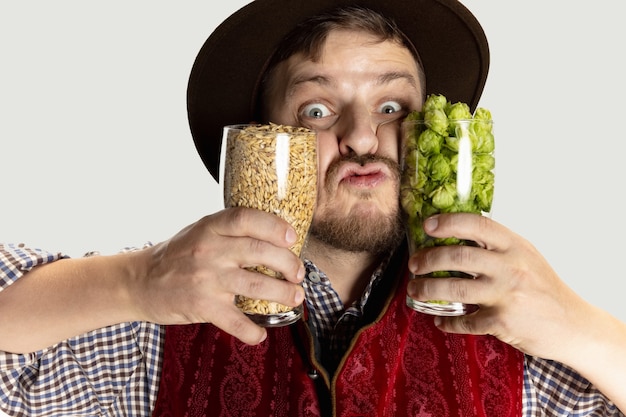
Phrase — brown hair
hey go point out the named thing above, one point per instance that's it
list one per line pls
(308, 39)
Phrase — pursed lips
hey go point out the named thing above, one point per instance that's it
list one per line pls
(367, 176)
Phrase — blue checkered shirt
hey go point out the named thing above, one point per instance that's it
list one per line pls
(114, 371)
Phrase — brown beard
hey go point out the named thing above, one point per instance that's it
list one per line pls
(376, 235)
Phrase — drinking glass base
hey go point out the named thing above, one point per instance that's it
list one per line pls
(442, 308)
(276, 320)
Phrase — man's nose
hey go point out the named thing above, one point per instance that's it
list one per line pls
(356, 133)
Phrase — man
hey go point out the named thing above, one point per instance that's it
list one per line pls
(352, 76)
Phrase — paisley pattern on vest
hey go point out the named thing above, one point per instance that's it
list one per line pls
(206, 372)
(400, 365)
(422, 371)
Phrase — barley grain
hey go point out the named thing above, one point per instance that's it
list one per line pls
(260, 177)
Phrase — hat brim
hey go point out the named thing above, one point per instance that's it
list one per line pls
(450, 41)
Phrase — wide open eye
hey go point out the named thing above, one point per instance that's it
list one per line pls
(316, 116)
(389, 107)
(388, 112)
(315, 111)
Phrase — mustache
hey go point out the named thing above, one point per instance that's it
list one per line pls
(362, 160)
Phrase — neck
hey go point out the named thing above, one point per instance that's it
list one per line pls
(349, 272)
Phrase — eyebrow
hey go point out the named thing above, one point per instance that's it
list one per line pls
(316, 79)
(397, 75)
(382, 79)
(292, 87)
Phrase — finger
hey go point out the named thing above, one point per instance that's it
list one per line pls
(478, 323)
(256, 224)
(469, 259)
(464, 290)
(486, 232)
(480, 264)
(235, 323)
(260, 286)
(249, 252)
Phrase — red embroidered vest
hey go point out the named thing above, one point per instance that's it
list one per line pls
(400, 365)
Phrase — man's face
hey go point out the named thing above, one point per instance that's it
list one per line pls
(354, 97)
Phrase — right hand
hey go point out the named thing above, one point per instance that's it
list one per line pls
(194, 276)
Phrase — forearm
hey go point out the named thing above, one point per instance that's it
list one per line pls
(598, 353)
(65, 298)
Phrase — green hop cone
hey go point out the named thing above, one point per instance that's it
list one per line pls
(482, 114)
(414, 115)
(443, 196)
(435, 102)
(439, 168)
(457, 111)
(429, 142)
(484, 162)
(436, 179)
(410, 204)
(437, 121)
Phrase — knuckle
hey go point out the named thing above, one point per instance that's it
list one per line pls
(256, 246)
(427, 258)
(458, 289)
(517, 275)
(249, 284)
(484, 225)
(462, 255)
(239, 216)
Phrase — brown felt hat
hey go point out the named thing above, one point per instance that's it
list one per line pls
(450, 41)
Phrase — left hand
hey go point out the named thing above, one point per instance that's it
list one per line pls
(522, 300)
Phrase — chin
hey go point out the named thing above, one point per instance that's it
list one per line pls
(364, 228)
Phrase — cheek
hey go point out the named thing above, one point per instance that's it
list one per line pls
(327, 152)
(392, 152)
(389, 145)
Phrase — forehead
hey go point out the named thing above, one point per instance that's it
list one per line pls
(340, 41)
(347, 54)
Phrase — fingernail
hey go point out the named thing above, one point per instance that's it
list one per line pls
(438, 321)
(299, 297)
(291, 236)
(431, 223)
(410, 289)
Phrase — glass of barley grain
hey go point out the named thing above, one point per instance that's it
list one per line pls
(271, 168)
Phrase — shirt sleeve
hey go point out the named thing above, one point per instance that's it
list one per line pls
(16, 260)
(107, 372)
(553, 390)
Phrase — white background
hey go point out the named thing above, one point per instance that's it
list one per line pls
(96, 154)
